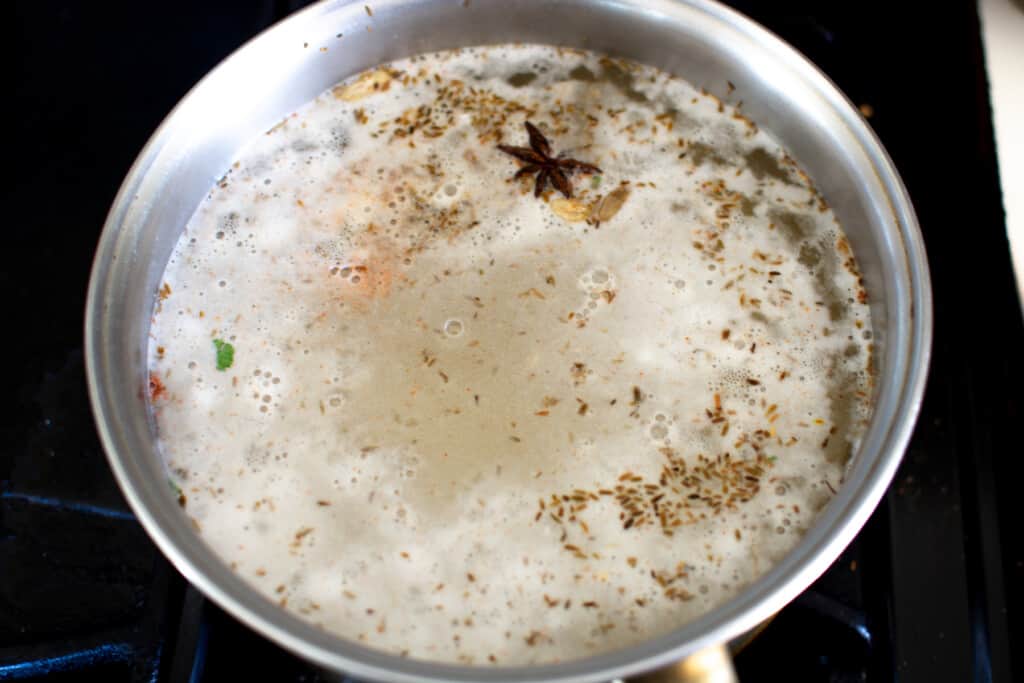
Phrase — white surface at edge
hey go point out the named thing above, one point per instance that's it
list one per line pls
(1002, 25)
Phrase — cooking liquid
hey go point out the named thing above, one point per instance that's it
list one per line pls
(465, 424)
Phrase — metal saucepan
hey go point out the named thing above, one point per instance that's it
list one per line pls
(294, 61)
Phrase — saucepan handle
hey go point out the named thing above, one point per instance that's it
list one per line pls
(710, 665)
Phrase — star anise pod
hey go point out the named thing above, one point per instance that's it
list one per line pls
(548, 168)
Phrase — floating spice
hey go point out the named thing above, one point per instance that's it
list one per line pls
(572, 210)
(367, 84)
(548, 168)
(611, 204)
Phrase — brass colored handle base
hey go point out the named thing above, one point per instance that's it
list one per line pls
(710, 665)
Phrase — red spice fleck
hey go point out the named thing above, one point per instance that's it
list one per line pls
(156, 387)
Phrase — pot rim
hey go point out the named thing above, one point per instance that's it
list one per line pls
(834, 528)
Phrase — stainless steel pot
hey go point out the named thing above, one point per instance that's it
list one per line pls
(294, 61)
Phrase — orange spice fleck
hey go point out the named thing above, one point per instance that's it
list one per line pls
(156, 387)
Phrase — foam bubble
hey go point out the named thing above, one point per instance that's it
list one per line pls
(453, 327)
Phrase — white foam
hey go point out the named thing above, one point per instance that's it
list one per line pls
(423, 352)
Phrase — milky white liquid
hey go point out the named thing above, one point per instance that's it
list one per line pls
(461, 427)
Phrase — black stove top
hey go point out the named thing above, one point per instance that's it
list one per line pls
(931, 589)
